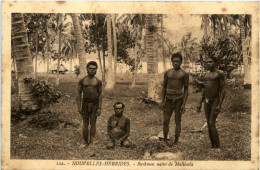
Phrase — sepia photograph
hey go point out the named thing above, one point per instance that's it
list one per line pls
(130, 89)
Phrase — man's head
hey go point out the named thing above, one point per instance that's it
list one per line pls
(211, 62)
(119, 109)
(176, 60)
(92, 68)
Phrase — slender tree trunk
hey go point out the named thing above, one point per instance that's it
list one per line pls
(80, 43)
(104, 67)
(100, 64)
(135, 60)
(205, 18)
(47, 54)
(110, 77)
(226, 26)
(152, 62)
(27, 101)
(115, 45)
(247, 79)
(36, 53)
(59, 50)
(163, 55)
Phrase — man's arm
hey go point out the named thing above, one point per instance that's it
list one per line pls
(127, 130)
(222, 91)
(109, 129)
(165, 80)
(186, 88)
(79, 94)
(201, 100)
(99, 96)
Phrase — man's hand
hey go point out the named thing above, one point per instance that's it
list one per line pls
(218, 109)
(162, 105)
(182, 109)
(80, 111)
(98, 112)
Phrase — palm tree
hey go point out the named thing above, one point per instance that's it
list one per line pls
(136, 23)
(162, 41)
(23, 61)
(59, 23)
(110, 77)
(115, 45)
(152, 61)
(246, 60)
(80, 43)
(205, 25)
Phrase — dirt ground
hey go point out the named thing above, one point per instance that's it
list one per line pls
(56, 132)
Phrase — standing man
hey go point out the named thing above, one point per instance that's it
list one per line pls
(173, 96)
(89, 106)
(118, 127)
(213, 96)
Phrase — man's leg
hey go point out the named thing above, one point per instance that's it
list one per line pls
(93, 119)
(212, 123)
(207, 109)
(178, 103)
(85, 117)
(166, 119)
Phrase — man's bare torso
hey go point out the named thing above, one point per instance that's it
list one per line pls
(90, 88)
(176, 79)
(212, 84)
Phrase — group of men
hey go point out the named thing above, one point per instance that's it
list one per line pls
(174, 97)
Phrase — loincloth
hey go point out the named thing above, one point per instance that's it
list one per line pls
(89, 106)
(174, 94)
(207, 100)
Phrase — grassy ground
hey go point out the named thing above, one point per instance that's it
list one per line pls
(56, 132)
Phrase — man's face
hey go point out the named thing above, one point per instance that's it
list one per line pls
(92, 69)
(118, 110)
(176, 62)
(210, 63)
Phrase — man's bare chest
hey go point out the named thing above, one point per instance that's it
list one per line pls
(212, 77)
(173, 75)
(89, 83)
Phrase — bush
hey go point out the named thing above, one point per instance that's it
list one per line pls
(45, 93)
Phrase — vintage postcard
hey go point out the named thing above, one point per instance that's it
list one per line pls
(133, 85)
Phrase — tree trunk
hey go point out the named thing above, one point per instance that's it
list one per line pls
(80, 43)
(23, 59)
(110, 76)
(36, 53)
(247, 79)
(205, 19)
(152, 62)
(104, 67)
(59, 50)
(115, 45)
(135, 59)
(47, 53)
(163, 55)
(100, 64)
(226, 26)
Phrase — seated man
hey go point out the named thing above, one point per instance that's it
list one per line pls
(118, 127)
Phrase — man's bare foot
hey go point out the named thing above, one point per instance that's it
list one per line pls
(92, 141)
(83, 146)
(168, 144)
